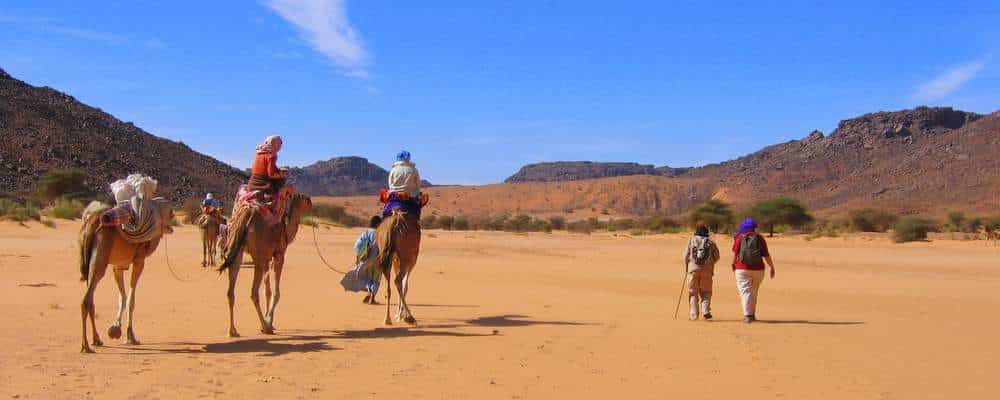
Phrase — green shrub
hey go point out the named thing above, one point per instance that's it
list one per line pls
(659, 224)
(14, 211)
(714, 214)
(428, 221)
(49, 223)
(825, 229)
(913, 228)
(779, 211)
(338, 215)
(71, 184)
(957, 220)
(66, 208)
(579, 227)
(871, 220)
(461, 224)
(624, 224)
(446, 222)
(557, 222)
(309, 221)
(191, 208)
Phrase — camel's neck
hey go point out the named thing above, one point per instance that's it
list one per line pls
(292, 228)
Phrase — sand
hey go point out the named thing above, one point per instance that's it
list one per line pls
(511, 316)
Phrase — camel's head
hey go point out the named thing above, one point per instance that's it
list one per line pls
(166, 216)
(300, 205)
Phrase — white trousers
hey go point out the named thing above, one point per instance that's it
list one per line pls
(748, 283)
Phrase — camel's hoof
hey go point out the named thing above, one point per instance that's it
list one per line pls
(410, 320)
(115, 332)
(86, 350)
(233, 334)
(132, 342)
(367, 300)
(387, 322)
(97, 342)
(267, 331)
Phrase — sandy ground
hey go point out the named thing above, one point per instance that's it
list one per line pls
(517, 317)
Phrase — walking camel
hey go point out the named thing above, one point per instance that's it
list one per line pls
(266, 245)
(101, 246)
(208, 224)
(398, 239)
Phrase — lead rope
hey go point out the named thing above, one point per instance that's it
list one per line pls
(170, 267)
(320, 254)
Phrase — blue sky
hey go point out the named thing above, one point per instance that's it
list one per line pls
(475, 89)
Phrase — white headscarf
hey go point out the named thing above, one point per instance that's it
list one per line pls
(272, 144)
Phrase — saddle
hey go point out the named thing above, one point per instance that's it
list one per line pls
(270, 207)
(402, 201)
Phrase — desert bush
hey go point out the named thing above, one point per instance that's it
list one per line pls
(579, 227)
(446, 222)
(428, 221)
(715, 214)
(557, 223)
(871, 220)
(48, 223)
(65, 208)
(309, 221)
(461, 224)
(779, 211)
(71, 184)
(624, 224)
(957, 220)
(338, 215)
(913, 228)
(14, 211)
(191, 208)
(824, 229)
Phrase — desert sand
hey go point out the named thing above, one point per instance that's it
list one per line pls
(511, 316)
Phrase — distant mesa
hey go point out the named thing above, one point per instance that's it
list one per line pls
(341, 176)
(562, 171)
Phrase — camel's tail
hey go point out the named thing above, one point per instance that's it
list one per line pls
(88, 231)
(386, 237)
(238, 227)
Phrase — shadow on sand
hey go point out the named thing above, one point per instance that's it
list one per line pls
(514, 320)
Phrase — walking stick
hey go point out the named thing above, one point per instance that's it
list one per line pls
(681, 295)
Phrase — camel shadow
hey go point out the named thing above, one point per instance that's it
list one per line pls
(404, 332)
(272, 346)
(515, 320)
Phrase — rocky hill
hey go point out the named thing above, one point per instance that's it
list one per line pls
(42, 130)
(911, 160)
(562, 171)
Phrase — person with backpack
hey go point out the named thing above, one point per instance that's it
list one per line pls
(749, 254)
(700, 257)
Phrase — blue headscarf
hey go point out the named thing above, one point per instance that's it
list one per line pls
(403, 156)
(748, 225)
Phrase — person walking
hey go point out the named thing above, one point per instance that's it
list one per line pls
(749, 255)
(700, 257)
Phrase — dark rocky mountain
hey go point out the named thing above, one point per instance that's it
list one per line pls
(43, 130)
(561, 171)
(340, 176)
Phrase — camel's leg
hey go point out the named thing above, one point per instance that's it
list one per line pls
(276, 266)
(204, 248)
(234, 272)
(388, 295)
(137, 266)
(406, 264)
(115, 331)
(98, 265)
(267, 290)
(407, 315)
(259, 269)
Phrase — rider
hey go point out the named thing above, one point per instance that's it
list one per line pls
(265, 174)
(404, 187)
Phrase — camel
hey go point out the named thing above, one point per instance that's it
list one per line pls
(266, 245)
(398, 239)
(989, 234)
(208, 224)
(101, 246)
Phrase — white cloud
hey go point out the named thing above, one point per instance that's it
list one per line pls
(948, 82)
(323, 24)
